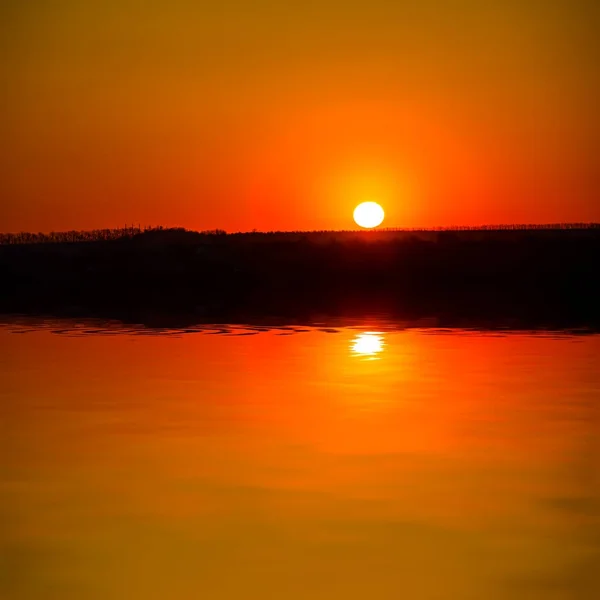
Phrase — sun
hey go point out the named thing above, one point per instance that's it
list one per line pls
(368, 215)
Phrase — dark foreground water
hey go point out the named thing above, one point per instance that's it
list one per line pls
(355, 460)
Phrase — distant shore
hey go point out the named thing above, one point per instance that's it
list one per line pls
(534, 275)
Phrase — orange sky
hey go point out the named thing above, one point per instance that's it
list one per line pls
(243, 115)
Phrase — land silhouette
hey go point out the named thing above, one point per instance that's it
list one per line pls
(511, 276)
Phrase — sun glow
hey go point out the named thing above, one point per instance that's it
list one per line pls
(367, 344)
(368, 215)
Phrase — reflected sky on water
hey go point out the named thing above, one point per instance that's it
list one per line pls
(298, 462)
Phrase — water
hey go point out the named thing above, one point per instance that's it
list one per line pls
(354, 462)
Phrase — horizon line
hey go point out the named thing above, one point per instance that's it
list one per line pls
(138, 229)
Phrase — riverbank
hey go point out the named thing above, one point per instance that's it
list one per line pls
(534, 276)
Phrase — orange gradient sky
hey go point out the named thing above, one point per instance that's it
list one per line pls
(270, 115)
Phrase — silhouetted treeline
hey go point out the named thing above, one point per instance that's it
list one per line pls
(101, 235)
(540, 275)
(94, 235)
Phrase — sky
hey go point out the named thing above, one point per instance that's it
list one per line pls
(265, 115)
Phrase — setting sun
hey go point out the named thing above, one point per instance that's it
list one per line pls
(368, 215)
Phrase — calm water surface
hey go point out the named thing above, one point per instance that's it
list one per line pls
(353, 462)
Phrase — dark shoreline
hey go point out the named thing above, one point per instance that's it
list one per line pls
(525, 279)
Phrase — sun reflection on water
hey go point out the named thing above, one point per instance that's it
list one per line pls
(368, 345)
